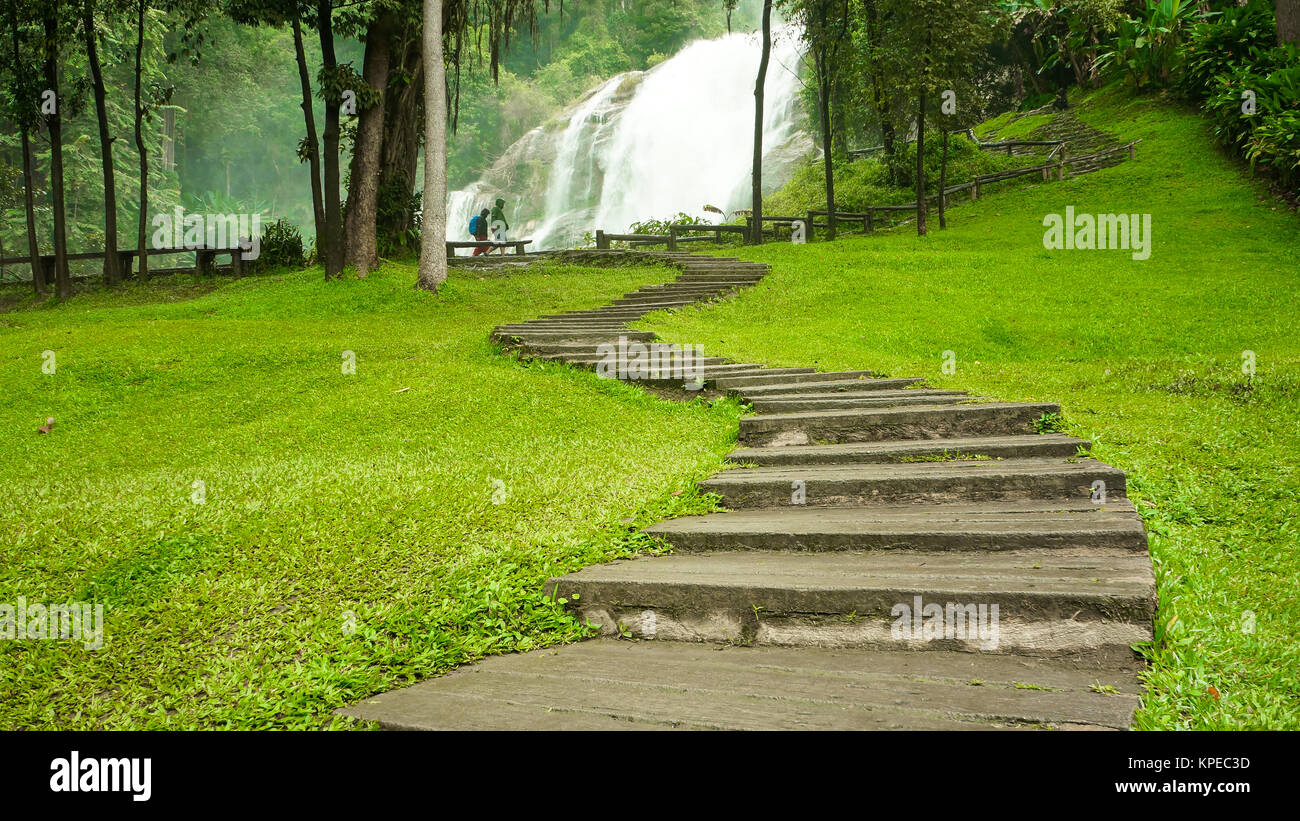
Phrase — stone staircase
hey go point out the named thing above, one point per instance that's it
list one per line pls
(893, 557)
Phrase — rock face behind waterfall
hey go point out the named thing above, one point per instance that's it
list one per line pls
(647, 144)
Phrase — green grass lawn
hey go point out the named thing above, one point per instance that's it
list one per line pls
(1144, 356)
(347, 540)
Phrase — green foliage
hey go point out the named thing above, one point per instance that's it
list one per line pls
(1147, 49)
(1236, 55)
(1240, 35)
(396, 205)
(281, 247)
(660, 226)
(1049, 423)
(1059, 38)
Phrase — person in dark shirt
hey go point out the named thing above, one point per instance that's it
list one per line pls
(479, 228)
(499, 224)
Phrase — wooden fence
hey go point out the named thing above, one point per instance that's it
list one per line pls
(204, 260)
(1009, 145)
(1055, 163)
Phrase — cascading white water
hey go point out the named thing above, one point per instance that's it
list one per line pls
(648, 145)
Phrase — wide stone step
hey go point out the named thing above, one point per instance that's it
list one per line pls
(818, 377)
(685, 287)
(619, 313)
(620, 685)
(655, 302)
(841, 386)
(576, 335)
(887, 483)
(993, 447)
(566, 325)
(881, 399)
(1089, 604)
(594, 349)
(723, 283)
(873, 425)
(743, 276)
(1016, 525)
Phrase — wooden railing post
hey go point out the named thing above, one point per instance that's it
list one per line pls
(808, 230)
(601, 242)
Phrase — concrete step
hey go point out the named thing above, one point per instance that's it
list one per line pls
(654, 303)
(996, 447)
(668, 376)
(877, 424)
(854, 385)
(818, 377)
(565, 325)
(624, 685)
(1087, 604)
(890, 483)
(597, 313)
(580, 359)
(791, 403)
(576, 335)
(593, 349)
(688, 284)
(984, 526)
(685, 287)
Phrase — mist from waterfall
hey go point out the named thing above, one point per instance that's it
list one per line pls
(649, 144)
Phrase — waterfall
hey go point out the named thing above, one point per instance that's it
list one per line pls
(649, 144)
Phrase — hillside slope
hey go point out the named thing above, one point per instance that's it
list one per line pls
(1147, 358)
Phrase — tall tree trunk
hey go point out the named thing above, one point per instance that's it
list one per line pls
(1288, 21)
(920, 164)
(367, 149)
(433, 236)
(333, 249)
(943, 183)
(29, 205)
(142, 225)
(403, 112)
(62, 278)
(756, 178)
(824, 103)
(112, 263)
(313, 144)
(29, 175)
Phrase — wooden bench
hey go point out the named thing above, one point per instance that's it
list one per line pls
(517, 244)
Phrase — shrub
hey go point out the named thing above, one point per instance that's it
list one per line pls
(657, 226)
(1235, 54)
(281, 247)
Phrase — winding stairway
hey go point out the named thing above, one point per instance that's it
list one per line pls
(894, 557)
